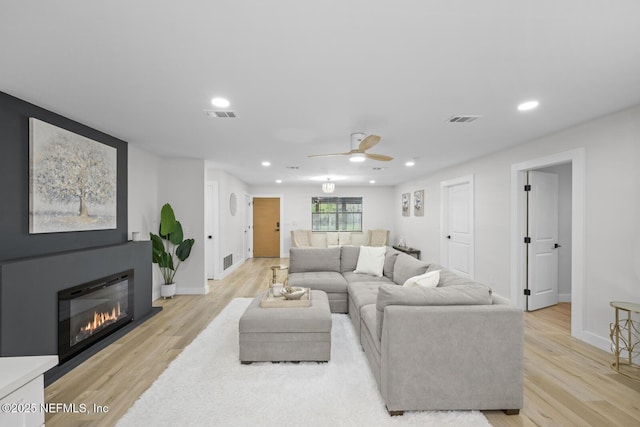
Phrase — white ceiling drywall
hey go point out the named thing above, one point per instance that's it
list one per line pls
(302, 76)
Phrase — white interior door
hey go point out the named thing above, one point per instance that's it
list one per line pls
(542, 252)
(458, 226)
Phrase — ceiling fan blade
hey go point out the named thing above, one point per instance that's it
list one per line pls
(329, 155)
(368, 142)
(380, 157)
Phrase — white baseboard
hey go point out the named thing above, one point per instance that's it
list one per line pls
(594, 340)
(192, 291)
(564, 297)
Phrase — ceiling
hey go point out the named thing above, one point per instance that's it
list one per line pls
(302, 76)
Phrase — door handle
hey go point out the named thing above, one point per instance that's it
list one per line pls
(449, 237)
(209, 237)
(556, 246)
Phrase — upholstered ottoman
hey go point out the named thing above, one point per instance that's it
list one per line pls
(288, 334)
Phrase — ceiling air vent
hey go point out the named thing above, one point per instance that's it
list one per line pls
(220, 114)
(463, 119)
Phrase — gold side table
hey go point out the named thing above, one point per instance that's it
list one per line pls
(625, 340)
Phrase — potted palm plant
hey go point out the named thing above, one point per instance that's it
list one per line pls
(170, 248)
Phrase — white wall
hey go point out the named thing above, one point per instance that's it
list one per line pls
(143, 205)
(296, 207)
(612, 233)
(231, 227)
(182, 184)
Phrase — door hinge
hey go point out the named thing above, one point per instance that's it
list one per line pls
(527, 292)
(527, 187)
(527, 239)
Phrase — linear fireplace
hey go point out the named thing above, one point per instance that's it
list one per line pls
(89, 312)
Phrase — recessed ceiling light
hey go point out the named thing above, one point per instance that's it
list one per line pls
(373, 181)
(529, 105)
(220, 102)
(278, 181)
(410, 163)
(266, 163)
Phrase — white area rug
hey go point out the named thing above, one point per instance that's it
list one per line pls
(207, 386)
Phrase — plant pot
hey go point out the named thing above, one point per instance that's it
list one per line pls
(168, 291)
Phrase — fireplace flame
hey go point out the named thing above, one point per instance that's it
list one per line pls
(100, 319)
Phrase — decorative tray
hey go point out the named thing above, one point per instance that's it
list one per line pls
(270, 301)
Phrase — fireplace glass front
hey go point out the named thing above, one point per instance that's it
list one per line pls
(89, 312)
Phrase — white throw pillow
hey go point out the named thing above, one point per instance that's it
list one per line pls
(371, 260)
(426, 280)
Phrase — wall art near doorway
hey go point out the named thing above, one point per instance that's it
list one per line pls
(418, 203)
(72, 181)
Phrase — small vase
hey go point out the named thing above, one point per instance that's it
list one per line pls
(167, 290)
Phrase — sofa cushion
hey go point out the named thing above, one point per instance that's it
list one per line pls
(389, 260)
(371, 260)
(349, 258)
(353, 277)
(472, 294)
(363, 293)
(314, 259)
(369, 322)
(328, 281)
(429, 279)
(407, 266)
(449, 278)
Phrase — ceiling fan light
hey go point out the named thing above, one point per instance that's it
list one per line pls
(328, 187)
(357, 157)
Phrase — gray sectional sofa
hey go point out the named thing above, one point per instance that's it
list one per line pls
(457, 346)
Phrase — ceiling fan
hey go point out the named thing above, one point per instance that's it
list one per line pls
(359, 154)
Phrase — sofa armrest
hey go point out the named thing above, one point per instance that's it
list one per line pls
(452, 357)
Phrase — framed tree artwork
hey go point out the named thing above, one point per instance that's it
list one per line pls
(72, 181)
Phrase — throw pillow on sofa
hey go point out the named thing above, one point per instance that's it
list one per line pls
(371, 260)
(429, 279)
(406, 267)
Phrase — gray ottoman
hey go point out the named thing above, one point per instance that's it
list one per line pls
(286, 334)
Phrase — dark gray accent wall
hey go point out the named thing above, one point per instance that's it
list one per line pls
(16, 241)
(29, 292)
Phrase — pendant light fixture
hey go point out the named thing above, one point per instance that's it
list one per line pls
(328, 187)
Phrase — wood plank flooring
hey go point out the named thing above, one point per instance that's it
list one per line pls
(567, 382)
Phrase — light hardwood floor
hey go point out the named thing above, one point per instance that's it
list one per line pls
(567, 382)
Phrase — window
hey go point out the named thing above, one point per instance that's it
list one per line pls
(336, 213)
